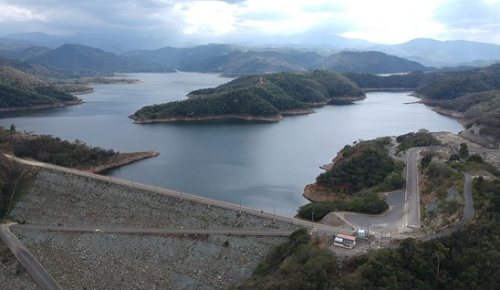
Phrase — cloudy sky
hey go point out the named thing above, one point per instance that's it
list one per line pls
(380, 21)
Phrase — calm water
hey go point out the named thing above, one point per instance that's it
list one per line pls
(263, 165)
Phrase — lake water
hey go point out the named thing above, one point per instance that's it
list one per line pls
(264, 166)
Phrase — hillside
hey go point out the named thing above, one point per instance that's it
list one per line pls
(75, 58)
(370, 62)
(457, 84)
(258, 97)
(223, 58)
(22, 90)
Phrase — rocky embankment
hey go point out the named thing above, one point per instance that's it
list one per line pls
(105, 261)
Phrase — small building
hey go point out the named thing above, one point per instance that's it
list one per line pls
(344, 241)
(362, 234)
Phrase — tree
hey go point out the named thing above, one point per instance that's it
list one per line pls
(454, 157)
(12, 128)
(463, 152)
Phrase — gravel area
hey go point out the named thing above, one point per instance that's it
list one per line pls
(107, 261)
(59, 198)
(12, 274)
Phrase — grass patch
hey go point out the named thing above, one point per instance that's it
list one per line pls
(370, 204)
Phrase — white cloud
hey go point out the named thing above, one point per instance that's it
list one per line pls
(9, 12)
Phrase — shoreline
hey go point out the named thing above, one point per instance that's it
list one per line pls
(272, 118)
(123, 159)
(47, 106)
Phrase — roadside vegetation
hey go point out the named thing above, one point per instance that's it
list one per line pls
(370, 204)
(296, 264)
(422, 138)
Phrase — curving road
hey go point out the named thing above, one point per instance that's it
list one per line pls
(29, 262)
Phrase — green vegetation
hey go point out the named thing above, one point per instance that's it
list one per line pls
(420, 139)
(370, 204)
(458, 84)
(363, 166)
(10, 173)
(258, 95)
(49, 149)
(296, 264)
(467, 259)
(482, 109)
(18, 89)
(46, 148)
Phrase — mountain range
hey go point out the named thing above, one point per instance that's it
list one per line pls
(220, 58)
(429, 52)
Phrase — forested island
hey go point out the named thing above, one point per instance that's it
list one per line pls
(263, 97)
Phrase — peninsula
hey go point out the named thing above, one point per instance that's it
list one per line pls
(22, 91)
(263, 97)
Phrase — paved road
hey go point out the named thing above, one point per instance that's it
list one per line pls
(34, 268)
(154, 231)
(389, 221)
(319, 228)
(412, 199)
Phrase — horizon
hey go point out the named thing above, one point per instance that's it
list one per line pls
(256, 22)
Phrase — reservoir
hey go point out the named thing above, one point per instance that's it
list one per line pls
(264, 166)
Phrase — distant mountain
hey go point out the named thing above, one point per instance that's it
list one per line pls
(22, 90)
(75, 57)
(237, 60)
(437, 53)
(221, 58)
(114, 42)
(370, 62)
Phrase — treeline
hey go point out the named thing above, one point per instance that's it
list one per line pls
(440, 85)
(46, 148)
(266, 94)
